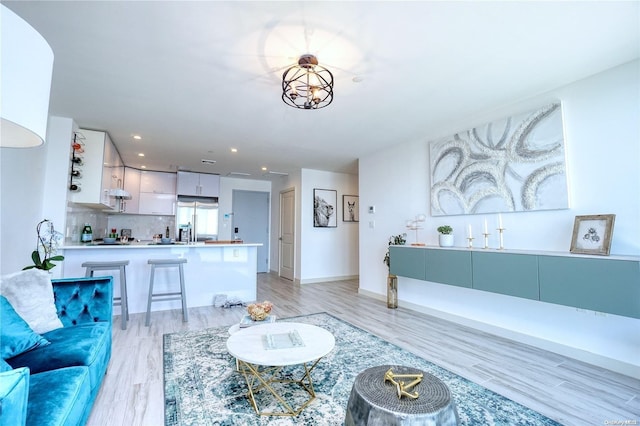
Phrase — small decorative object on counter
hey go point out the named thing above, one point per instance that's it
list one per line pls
(259, 311)
(87, 234)
(166, 233)
(446, 237)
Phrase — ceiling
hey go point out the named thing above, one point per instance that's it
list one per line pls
(196, 79)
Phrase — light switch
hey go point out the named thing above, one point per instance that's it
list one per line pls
(372, 224)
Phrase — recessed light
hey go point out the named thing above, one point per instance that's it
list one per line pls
(141, 154)
(143, 167)
(264, 169)
(137, 137)
(357, 79)
(234, 149)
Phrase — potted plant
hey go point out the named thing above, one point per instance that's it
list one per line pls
(446, 236)
(392, 280)
(45, 253)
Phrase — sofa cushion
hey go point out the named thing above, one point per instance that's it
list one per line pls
(85, 344)
(31, 295)
(16, 337)
(59, 397)
(14, 392)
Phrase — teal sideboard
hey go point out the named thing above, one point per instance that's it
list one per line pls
(603, 284)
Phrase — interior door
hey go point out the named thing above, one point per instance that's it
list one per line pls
(287, 233)
(251, 217)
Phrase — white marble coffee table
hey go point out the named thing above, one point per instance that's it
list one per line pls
(261, 366)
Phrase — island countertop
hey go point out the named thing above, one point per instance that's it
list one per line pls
(223, 268)
(146, 244)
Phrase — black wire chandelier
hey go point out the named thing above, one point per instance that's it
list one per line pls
(307, 85)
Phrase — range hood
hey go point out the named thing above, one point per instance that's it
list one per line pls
(119, 193)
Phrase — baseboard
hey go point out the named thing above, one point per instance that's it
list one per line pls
(326, 279)
(568, 351)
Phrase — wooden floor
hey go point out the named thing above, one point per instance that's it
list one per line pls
(568, 391)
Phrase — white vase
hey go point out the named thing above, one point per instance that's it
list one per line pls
(446, 240)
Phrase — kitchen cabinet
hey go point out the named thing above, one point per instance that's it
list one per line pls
(603, 284)
(102, 171)
(198, 184)
(158, 204)
(132, 186)
(157, 182)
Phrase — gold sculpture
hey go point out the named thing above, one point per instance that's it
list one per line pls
(402, 387)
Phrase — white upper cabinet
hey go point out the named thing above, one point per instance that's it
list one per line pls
(102, 171)
(132, 186)
(198, 184)
(158, 182)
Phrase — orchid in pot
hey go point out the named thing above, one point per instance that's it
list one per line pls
(46, 247)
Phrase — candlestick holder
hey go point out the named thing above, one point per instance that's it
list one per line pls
(486, 240)
(501, 230)
(470, 239)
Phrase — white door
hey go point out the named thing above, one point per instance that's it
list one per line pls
(287, 233)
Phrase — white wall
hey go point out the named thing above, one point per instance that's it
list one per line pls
(327, 253)
(33, 185)
(322, 254)
(603, 163)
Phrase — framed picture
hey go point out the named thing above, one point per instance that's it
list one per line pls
(592, 234)
(324, 208)
(350, 207)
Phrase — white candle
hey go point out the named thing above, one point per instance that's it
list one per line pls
(486, 228)
(500, 220)
(470, 235)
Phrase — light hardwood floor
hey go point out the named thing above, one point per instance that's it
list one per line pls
(568, 391)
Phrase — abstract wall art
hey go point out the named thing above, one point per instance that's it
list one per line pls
(514, 164)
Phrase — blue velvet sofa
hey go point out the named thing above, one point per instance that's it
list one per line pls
(56, 383)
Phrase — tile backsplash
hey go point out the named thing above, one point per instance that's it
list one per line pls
(143, 227)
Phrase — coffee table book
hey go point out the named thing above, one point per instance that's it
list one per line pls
(246, 321)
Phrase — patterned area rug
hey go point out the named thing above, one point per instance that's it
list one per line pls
(202, 386)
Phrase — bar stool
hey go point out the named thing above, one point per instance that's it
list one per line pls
(161, 297)
(122, 300)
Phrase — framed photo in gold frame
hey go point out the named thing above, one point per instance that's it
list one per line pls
(592, 234)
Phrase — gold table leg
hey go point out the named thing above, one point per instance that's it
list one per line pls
(258, 379)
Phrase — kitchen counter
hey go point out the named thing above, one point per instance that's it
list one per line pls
(211, 269)
(150, 244)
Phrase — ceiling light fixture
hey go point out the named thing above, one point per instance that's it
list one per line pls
(307, 85)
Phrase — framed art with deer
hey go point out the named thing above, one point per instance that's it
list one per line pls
(350, 207)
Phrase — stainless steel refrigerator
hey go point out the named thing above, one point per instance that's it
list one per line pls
(196, 219)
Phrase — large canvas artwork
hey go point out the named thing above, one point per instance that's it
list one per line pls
(514, 164)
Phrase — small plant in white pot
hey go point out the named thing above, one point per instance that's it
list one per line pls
(446, 236)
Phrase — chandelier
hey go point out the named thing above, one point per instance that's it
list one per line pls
(307, 85)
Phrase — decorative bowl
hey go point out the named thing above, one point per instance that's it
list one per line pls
(109, 240)
(165, 240)
(259, 311)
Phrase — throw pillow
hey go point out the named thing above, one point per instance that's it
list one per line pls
(16, 336)
(30, 293)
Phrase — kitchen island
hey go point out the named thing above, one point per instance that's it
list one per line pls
(211, 269)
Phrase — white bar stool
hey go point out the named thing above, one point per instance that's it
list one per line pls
(122, 300)
(161, 297)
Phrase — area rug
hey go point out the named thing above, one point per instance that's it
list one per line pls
(202, 386)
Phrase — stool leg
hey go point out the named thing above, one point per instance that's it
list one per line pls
(183, 295)
(148, 319)
(124, 309)
(89, 272)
